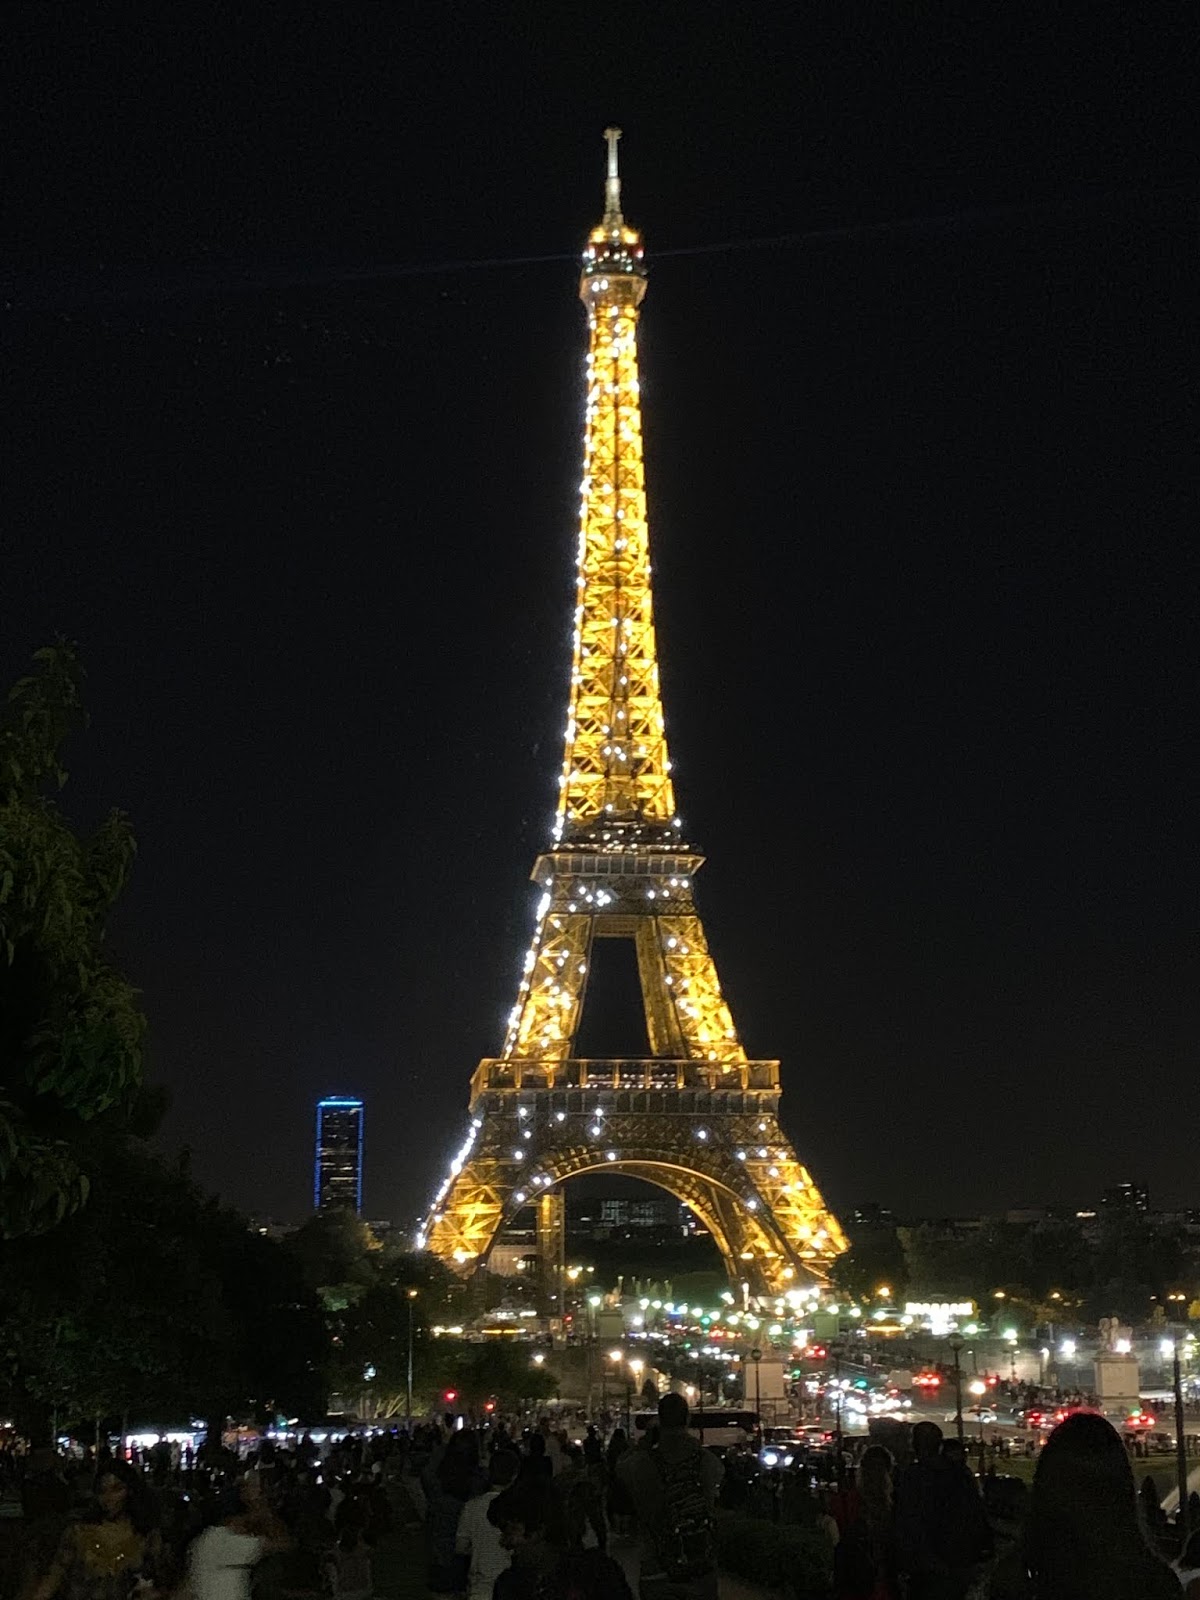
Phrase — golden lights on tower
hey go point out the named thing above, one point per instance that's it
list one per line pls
(615, 762)
(696, 1116)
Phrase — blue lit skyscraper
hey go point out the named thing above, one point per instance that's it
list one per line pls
(337, 1170)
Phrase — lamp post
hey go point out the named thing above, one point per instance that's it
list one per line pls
(978, 1389)
(616, 1358)
(635, 1366)
(756, 1357)
(1181, 1466)
(1010, 1337)
(956, 1343)
(412, 1295)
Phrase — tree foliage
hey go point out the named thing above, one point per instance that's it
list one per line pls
(1045, 1269)
(155, 1302)
(71, 1028)
(876, 1259)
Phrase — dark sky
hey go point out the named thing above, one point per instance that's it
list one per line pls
(923, 502)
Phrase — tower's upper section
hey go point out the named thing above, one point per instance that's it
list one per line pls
(615, 789)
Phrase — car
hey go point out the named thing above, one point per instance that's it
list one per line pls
(974, 1414)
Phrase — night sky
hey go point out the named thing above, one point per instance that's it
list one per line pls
(295, 377)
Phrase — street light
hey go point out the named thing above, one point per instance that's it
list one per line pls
(1181, 1460)
(1010, 1335)
(616, 1357)
(635, 1366)
(411, 1295)
(956, 1343)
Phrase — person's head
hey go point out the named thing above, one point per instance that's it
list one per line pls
(672, 1411)
(926, 1441)
(121, 1492)
(875, 1476)
(1083, 1517)
(593, 1450)
(537, 1445)
(618, 1439)
(112, 1494)
(503, 1469)
(520, 1515)
(955, 1452)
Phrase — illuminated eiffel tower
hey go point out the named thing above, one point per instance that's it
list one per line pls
(695, 1117)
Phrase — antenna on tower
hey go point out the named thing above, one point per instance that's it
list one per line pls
(612, 186)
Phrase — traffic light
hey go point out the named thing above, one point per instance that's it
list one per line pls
(450, 1396)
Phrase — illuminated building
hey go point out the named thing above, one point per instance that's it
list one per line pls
(695, 1116)
(338, 1167)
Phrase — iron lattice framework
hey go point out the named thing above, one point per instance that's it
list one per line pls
(697, 1117)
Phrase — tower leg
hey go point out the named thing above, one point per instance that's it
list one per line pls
(552, 1253)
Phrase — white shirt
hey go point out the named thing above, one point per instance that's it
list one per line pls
(220, 1564)
(476, 1534)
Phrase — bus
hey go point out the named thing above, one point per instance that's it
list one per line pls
(717, 1429)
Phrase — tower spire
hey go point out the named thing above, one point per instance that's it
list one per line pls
(615, 773)
(612, 186)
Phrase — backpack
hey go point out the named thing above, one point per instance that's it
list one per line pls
(685, 1536)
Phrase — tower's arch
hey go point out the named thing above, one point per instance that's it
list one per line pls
(750, 1244)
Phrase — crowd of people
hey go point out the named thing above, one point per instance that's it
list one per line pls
(507, 1512)
(101, 1528)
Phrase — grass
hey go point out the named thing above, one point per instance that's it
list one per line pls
(1160, 1467)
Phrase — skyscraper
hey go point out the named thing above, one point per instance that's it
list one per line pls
(337, 1170)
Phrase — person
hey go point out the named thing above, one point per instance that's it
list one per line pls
(673, 1483)
(1083, 1537)
(1187, 1568)
(457, 1477)
(117, 1548)
(522, 1516)
(864, 1557)
(478, 1538)
(543, 1568)
(942, 1531)
(222, 1558)
(620, 1506)
(349, 1570)
(536, 1468)
(597, 1477)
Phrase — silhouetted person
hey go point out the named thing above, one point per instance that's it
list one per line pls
(865, 1558)
(673, 1483)
(1084, 1538)
(1187, 1568)
(942, 1531)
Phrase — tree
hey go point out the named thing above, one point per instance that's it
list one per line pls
(154, 1302)
(875, 1260)
(71, 1028)
(496, 1370)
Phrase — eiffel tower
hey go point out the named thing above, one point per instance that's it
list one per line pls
(695, 1117)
